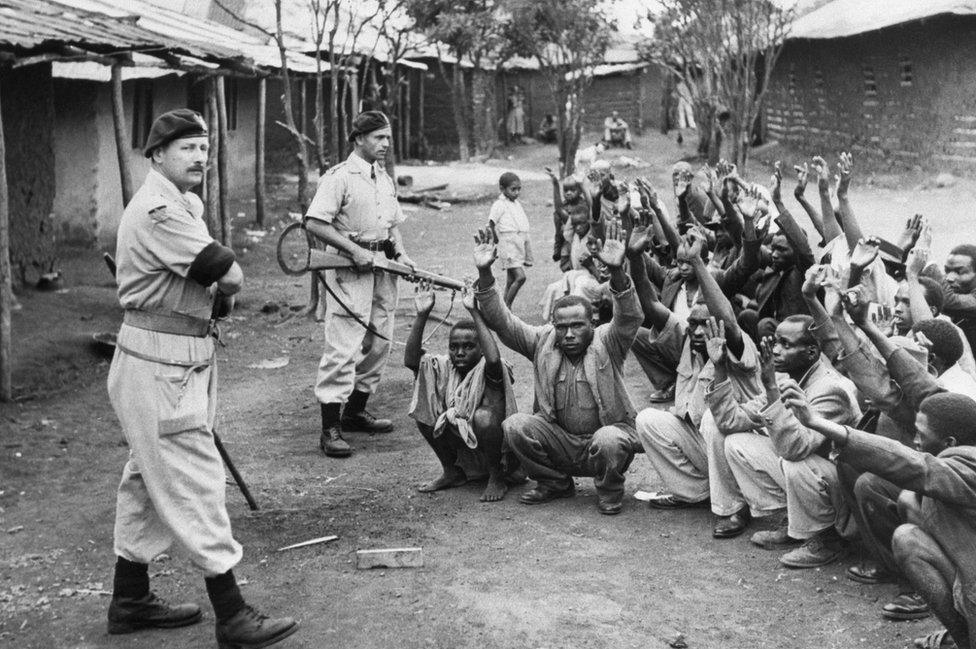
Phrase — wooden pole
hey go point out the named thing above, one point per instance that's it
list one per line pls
(222, 180)
(121, 134)
(213, 176)
(405, 150)
(259, 152)
(420, 111)
(6, 280)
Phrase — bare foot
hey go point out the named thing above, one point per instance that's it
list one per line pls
(495, 489)
(448, 480)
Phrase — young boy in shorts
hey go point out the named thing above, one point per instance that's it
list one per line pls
(511, 226)
(460, 399)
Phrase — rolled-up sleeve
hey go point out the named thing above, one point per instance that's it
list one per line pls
(177, 239)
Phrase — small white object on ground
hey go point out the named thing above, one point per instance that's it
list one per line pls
(645, 496)
(270, 363)
(321, 539)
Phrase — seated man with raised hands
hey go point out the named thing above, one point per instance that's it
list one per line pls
(460, 399)
(584, 419)
(934, 546)
(683, 444)
(788, 462)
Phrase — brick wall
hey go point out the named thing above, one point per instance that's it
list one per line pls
(903, 94)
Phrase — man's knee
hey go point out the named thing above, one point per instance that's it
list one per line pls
(515, 429)
(609, 439)
(908, 541)
(483, 421)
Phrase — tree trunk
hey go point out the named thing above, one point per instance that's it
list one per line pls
(6, 279)
(121, 134)
(213, 176)
(259, 152)
(459, 95)
(319, 118)
(336, 153)
(223, 182)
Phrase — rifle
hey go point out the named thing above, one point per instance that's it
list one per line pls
(297, 255)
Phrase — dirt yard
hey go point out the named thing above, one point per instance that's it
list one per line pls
(496, 575)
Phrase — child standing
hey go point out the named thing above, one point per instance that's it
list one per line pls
(511, 226)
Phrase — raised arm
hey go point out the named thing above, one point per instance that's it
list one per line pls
(918, 258)
(670, 233)
(831, 228)
(718, 305)
(655, 314)
(852, 229)
(799, 192)
(423, 300)
(493, 358)
(557, 190)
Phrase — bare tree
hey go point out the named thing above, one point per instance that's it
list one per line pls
(724, 51)
(568, 38)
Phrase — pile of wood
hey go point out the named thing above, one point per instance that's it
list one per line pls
(438, 198)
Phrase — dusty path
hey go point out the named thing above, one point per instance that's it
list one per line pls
(496, 575)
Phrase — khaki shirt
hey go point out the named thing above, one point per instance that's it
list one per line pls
(162, 231)
(359, 205)
(575, 407)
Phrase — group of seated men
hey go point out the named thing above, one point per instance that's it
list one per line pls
(830, 392)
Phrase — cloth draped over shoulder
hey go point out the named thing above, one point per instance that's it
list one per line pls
(442, 397)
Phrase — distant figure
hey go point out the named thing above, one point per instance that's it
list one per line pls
(516, 115)
(616, 132)
(548, 129)
(685, 112)
(586, 157)
(508, 220)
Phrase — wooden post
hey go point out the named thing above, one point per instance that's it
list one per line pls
(6, 280)
(353, 94)
(303, 108)
(259, 152)
(213, 176)
(121, 134)
(420, 111)
(222, 155)
(407, 123)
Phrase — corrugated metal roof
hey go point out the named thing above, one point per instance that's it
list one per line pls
(849, 17)
(105, 26)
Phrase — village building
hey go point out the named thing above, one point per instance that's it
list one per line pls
(893, 84)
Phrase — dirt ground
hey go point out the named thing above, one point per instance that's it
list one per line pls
(496, 575)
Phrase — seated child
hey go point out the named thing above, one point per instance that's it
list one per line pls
(511, 226)
(460, 399)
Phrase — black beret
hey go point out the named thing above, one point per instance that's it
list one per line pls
(367, 122)
(174, 125)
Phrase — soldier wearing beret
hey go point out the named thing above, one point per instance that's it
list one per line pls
(355, 213)
(162, 383)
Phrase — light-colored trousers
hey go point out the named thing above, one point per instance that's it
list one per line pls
(353, 359)
(691, 461)
(173, 485)
(809, 488)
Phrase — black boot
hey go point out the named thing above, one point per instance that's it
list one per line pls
(331, 441)
(135, 607)
(238, 625)
(356, 418)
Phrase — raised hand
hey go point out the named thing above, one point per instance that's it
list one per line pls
(682, 181)
(611, 251)
(845, 171)
(767, 370)
(711, 178)
(813, 280)
(796, 400)
(423, 297)
(695, 243)
(925, 237)
(467, 299)
(485, 250)
(551, 173)
(913, 228)
(822, 170)
(917, 260)
(777, 185)
(865, 252)
(648, 192)
(640, 234)
(856, 304)
(715, 343)
(802, 177)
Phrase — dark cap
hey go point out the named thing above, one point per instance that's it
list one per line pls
(174, 125)
(367, 122)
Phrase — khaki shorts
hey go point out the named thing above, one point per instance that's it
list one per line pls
(513, 249)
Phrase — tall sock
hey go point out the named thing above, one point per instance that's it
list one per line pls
(224, 595)
(131, 579)
(356, 403)
(330, 414)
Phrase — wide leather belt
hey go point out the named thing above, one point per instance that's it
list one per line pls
(167, 323)
(378, 245)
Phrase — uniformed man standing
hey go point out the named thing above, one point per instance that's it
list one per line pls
(355, 212)
(162, 386)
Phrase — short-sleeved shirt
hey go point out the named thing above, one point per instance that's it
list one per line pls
(508, 216)
(358, 198)
(161, 234)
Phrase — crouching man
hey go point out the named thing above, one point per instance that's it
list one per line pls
(460, 399)
(584, 419)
